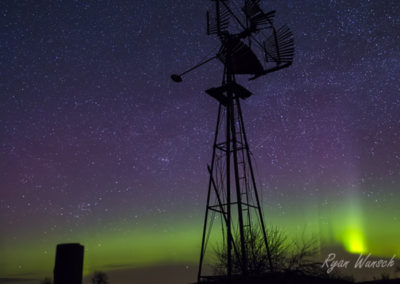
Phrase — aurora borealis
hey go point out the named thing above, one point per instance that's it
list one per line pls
(99, 147)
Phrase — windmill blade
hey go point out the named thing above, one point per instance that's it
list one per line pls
(256, 16)
(279, 47)
(263, 20)
(218, 21)
(251, 7)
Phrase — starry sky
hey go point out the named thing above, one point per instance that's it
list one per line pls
(99, 146)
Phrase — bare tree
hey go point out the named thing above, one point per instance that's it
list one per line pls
(99, 277)
(300, 258)
(286, 256)
(46, 281)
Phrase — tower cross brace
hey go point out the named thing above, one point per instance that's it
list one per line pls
(232, 191)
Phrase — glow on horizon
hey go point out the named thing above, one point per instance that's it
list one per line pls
(354, 242)
(349, 227)
(177, 240)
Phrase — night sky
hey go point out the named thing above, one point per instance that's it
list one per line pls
(99, 146)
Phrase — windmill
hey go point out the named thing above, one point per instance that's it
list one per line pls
(250, 45)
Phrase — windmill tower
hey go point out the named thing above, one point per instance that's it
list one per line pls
(250, 45)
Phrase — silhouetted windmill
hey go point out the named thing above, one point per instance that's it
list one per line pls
(251, 45)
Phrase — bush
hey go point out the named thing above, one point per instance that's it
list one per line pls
(286, 256)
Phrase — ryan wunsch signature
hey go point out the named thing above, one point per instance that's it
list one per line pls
(363, 261)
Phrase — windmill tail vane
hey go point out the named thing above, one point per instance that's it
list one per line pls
(249, 45)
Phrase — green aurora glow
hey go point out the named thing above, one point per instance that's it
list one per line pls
(346, 224)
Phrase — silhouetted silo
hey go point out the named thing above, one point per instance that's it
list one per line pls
(69, 264)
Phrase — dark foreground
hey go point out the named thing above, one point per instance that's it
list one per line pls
(286, 278)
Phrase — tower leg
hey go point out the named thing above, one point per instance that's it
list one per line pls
(208, 196)
(228, 192)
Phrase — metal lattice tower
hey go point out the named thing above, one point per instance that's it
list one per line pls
(232, 196)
